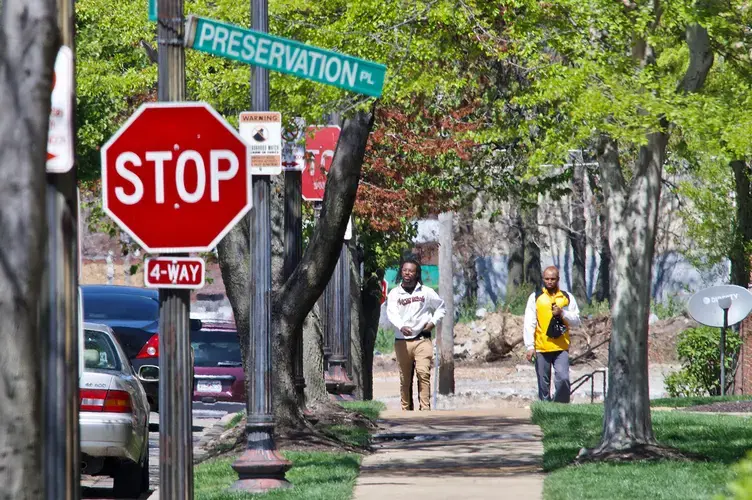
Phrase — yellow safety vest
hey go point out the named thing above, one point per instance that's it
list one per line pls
(543, 303)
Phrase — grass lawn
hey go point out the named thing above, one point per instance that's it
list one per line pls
(567, 428)
(315, 476)
(694, 401)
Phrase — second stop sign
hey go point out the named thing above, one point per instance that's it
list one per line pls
(175, 177)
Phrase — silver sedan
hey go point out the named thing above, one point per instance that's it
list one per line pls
(114, 415)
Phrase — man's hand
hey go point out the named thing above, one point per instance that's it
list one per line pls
(406, 331)
(529, 355)
(429, 326)
(557, 311)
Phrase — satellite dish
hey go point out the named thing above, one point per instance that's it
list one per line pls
(706, 306)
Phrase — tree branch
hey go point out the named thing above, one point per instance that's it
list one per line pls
(700, 59)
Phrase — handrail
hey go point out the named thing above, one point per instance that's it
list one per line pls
(589, 376)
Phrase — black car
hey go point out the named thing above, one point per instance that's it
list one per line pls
(133, 314)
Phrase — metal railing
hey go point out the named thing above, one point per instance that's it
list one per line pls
(589, 376)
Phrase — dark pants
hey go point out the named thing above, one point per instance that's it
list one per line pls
(560, 362)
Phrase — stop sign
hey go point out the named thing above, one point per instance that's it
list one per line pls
(175, 177)
(321, 143)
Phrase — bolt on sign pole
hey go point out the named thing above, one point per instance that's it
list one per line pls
(261, 467)
(175, 368)
(60, 340)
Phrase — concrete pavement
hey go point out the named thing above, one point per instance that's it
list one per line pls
(454, 454)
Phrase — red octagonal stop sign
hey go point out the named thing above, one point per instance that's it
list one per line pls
(175, 177)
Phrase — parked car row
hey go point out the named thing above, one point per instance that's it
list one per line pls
(119, 384)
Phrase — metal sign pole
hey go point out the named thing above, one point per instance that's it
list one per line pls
(60, 435)
(261, 467)
(723, 352)
(175, 369)
(293, 253)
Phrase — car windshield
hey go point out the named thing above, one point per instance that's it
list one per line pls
(99, 352)
(120, 307)
(215, 349)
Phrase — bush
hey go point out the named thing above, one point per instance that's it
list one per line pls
(672, 307)
(701, 370)
(740, 487)
(595, 309)
(384, 341)
(516, 301)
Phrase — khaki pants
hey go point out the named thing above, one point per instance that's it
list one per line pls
(414, 355)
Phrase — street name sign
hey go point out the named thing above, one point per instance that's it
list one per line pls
(321, 143)
(262, 131)
(174, 272)
(175, 177)
(60, 134)
(285, 55)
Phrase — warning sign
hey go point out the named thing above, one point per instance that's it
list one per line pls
(262, 130)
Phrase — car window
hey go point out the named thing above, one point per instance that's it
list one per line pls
(120, 307)
(215, 349)
(100, 352)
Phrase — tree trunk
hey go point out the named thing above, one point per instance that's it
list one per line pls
(739, 256)
(633, 217)
(234, 265)
(531, 237)
(371, 300)
(603, 286)
(577, 236)
(295, 299)
(516, 260)
(467, 256)
(28, 42)
(313, 359)
(356, 357)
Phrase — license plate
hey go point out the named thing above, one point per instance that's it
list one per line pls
(209, 386)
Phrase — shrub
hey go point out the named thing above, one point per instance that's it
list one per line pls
(740, 487)
(594, 309)
(698, 348)
(672, 307)
(384, 341)
(516, 301)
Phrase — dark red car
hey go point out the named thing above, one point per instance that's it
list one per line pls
(218, 370)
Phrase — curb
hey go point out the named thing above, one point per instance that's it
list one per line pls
(216, 430)
(198, 454)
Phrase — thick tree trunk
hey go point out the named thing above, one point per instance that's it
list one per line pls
(295, 299)
(28, 42)
(740, 257)
(603, 286)
(357, 365)
(633, 218)
(577, 236)
(234, 265)
(313, 359)
(531, 236)
(371, 300)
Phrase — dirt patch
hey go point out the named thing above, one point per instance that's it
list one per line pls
(723, 407)
(497, 337)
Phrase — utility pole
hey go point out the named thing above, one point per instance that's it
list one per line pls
(446, 291)
(60, 337)
(175, 368)
(261, 467)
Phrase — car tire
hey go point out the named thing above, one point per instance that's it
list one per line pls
(145, 471)
(127, 480)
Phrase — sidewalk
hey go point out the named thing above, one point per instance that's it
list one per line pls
(437, 455)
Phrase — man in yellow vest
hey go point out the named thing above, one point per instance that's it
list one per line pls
(548, 315)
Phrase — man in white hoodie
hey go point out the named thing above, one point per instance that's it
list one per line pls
(414, 309)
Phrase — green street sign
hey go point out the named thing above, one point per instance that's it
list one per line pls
(285, 55)
(152, 10)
